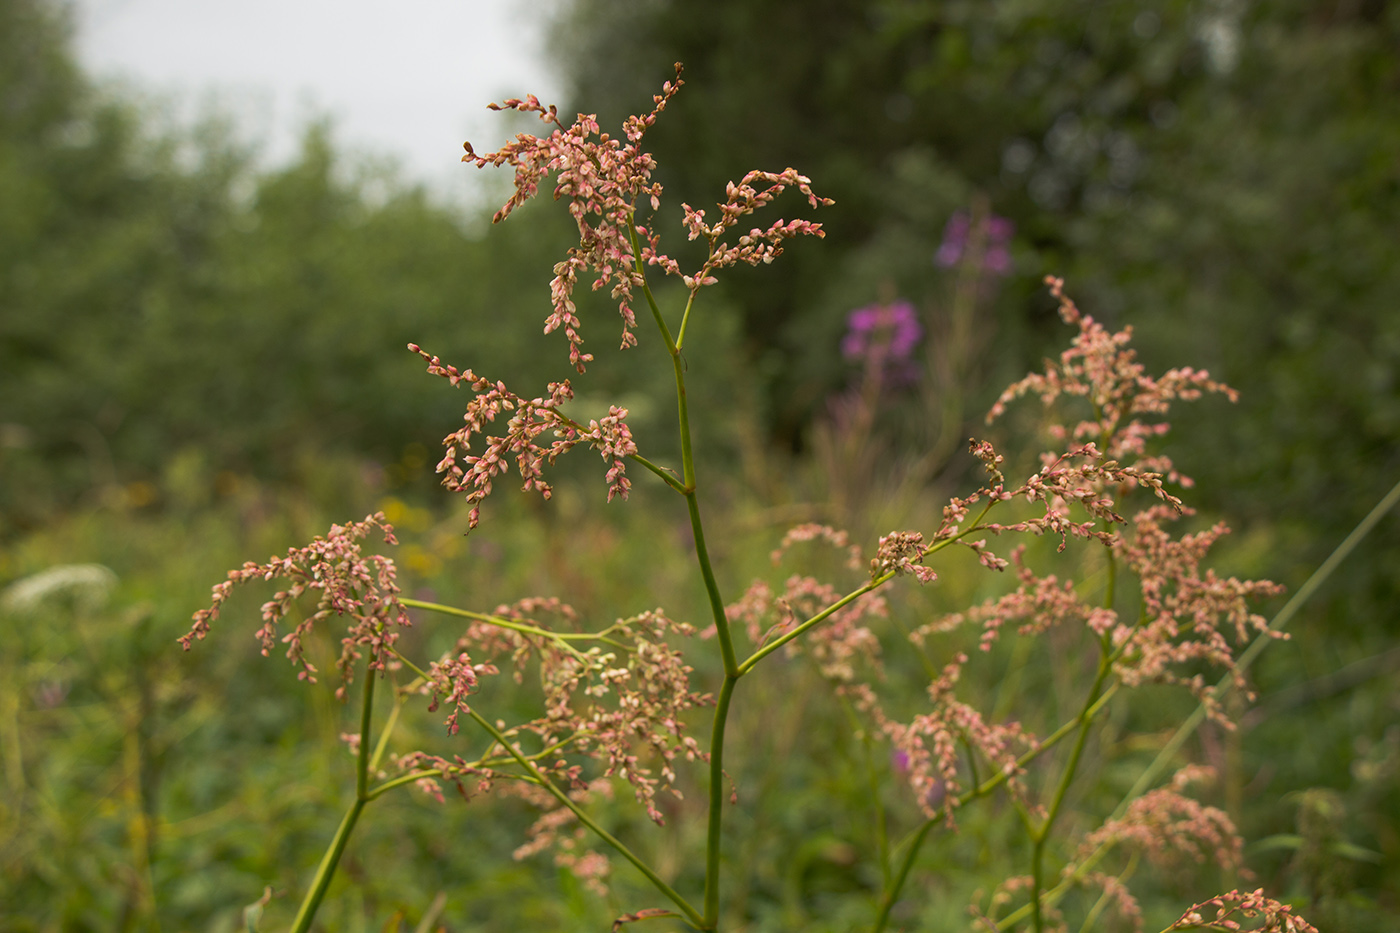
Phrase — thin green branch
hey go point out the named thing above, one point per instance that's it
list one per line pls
(561, 638)
(1106, 898)
(665, 474)
(646, 287)
(685, 319)
(382, 746)
(380, 790)
(690, 912)
(891, 895)
(414, 776)
(815, 620)
(695, 290)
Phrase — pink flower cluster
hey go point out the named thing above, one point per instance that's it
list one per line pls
(1276, 917)
(815, 532)
(1183, 608)
(603, 177)
(1168, 826)
(350, 583)
(900, 552)
(1099, 367)
(756, 246)
(606, 702)
(931, 744)
(557, 828)
(455, 679)
(609, 435)
(1038, 604)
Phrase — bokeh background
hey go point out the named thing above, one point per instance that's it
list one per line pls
(201, 362)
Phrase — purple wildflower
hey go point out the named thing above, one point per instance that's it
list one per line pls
(995, 235)
(889, 330)
(883, 337)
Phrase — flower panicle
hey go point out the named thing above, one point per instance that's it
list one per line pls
(930, 746)
(1189, 614)
(1276, 916)
(526, 421)
(1100, 367)
(452, 680)
(621, 702)
(812, 531)
(350, 583)
(759, 245)
(901, 552)
(1167, 826)
(603, 178)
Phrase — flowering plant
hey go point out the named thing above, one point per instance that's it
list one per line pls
(619, 702)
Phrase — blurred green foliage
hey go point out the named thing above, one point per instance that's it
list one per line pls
(176, 320)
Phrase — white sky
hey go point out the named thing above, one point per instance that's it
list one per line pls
(408, 79)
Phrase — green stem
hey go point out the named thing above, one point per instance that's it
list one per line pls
(892, 892)
(326, 870)
(1038, 838)
(690, 912)
(716, 822)
(702, 555)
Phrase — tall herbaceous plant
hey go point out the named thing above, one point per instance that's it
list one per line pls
(621, 706)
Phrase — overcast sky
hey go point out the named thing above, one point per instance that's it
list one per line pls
(409, 79)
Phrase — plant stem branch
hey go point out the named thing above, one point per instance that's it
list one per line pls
(660, 471)
(716, 803)
(1039, 837)
(691, 914)
(815, 620)
(561, 638)
(326, 870)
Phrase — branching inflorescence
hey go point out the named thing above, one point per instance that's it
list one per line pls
(615, 702)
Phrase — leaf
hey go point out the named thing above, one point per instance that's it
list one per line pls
(252, 914)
